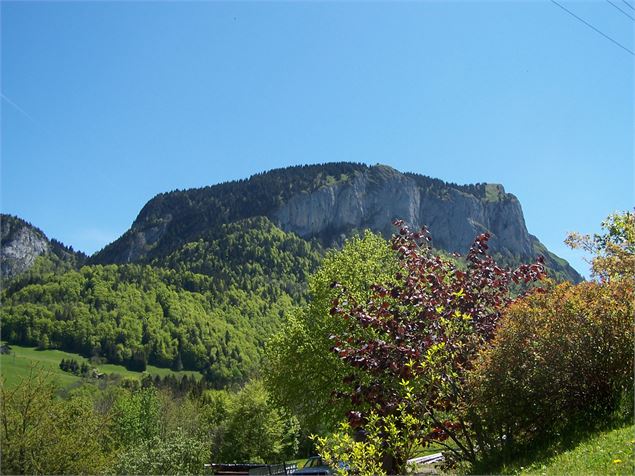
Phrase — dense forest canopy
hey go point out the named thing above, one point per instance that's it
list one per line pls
(209, 306)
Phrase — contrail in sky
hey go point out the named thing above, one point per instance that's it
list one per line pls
(17, 108)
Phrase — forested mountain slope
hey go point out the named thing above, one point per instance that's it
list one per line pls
(170, 314)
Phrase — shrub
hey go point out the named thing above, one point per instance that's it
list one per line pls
(175, 454)
(253, 429)
(558, 358)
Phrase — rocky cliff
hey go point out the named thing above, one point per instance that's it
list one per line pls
(329, 202)
(22, 243)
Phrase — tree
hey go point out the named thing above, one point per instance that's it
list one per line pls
(136, 416)
(255, 430)
(613, 252)
(177, 453)
(301, 370)
(410, 343)
(40, 434)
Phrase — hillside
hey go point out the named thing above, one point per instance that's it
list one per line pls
(170, 315)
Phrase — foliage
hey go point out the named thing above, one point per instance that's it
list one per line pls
(558, 358)
(43, 435)
(180, 386)
(170, 314)
(613, 252)
(136, 428)
(74, 367)
(347, 454)
(252, 254)
(300, 369)
(412, 341)
(254, 430)
(136, 416)
(384, 441)
(136, 314)
(174, 454)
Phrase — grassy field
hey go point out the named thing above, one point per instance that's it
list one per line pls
(17, 365)
(610, 453)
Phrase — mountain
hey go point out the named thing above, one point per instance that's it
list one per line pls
(204, 276)
(22, 243)
(326, 203)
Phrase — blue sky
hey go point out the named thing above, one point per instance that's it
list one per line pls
(106, 104)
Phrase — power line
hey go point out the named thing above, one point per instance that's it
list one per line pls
(628, 5)
(593, 28)
(609, 1)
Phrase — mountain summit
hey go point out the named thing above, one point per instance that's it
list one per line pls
(330, 202)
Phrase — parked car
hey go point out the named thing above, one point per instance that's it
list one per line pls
(314, 465)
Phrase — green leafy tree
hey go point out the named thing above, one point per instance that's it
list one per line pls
(301, 370)
(613, 252)
(254, 430)
(136, 416)
(41, 434)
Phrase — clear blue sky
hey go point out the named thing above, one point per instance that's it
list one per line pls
(107, 104)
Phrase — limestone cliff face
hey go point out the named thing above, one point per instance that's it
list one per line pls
(21, 245)
(375, 198)
(358, 203)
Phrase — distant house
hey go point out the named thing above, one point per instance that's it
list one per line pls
(97, 374)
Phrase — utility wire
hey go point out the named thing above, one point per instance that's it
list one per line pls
(593, 28)
(609, 1)
(628, 5)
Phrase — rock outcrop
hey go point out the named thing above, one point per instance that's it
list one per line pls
(21, 245)
(376, 197)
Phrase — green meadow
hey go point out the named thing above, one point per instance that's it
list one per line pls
(18, 364)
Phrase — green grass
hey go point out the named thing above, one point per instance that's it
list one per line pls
(17, 365)
(607, 453)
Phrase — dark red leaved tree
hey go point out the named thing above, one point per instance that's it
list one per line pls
(417, 337)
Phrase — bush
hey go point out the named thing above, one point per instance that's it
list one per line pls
(558, 358)
(175, 454)
(136, 416)
(253, 429)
